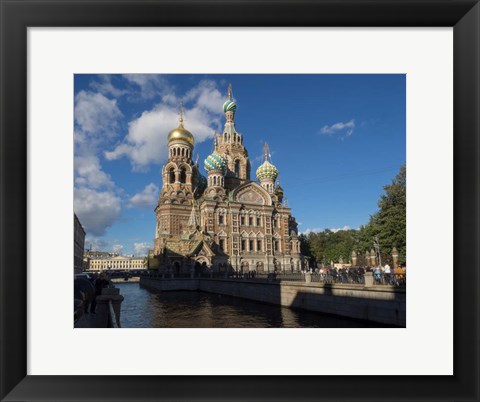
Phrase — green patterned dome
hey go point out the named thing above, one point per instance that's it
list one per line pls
(267, 171)
(215, 161)
(229, 106)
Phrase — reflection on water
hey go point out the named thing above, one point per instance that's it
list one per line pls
(143, 308)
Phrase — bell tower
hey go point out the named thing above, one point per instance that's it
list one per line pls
(180, 178)
(230, 145)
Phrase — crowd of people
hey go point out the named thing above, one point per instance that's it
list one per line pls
(97, 282)
(382, 274)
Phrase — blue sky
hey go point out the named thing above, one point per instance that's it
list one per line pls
(336, 140)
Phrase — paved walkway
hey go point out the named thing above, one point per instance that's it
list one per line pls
(86, 321)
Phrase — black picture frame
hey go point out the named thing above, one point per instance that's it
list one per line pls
(18, 15)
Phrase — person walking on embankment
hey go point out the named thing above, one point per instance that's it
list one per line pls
(100, 283)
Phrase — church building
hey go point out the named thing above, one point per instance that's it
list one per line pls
(224, 222)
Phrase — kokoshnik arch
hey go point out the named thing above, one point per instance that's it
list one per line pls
(225, 221)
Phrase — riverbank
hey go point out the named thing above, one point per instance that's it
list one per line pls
(381, 304)
(148, 308)
(133, 279)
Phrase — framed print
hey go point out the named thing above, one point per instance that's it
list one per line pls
(115, 100)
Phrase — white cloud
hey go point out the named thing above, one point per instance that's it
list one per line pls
(117, 248)
(342, 129)
(96, 210)
(310, 230)
(150, 85)
(89, 173)
(96, 114)
(95, 244)
(316, 230)
(146, 141)
(105, 86)
(206, 96)
(147, 198)
(95, 199)
(335, 230)
(141, 249)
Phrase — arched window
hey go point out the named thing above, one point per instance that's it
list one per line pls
(183, 176)
(237, 168)
(171, 174)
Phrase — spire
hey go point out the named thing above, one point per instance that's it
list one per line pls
(266, 153)
(215, 140)
(180, 117)
(230, 96)
(196, 159)
(193, 220)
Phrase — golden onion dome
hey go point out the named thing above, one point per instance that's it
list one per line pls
(181, 134)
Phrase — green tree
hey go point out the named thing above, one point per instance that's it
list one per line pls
(304, 245)
(388, 224)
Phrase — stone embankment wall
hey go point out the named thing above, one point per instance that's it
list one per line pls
(383, 304)
(133, 279)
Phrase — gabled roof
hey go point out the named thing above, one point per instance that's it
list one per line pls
(251, 193)
(199, 247)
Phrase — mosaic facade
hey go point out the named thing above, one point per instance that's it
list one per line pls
(225, 221)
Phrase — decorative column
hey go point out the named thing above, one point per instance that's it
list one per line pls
(373, 257)
(354, 258)
(395, 258)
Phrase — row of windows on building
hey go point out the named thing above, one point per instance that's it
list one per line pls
(183, 174)
(106, 264)
(251, 245)
(248, 221)
(185, 152)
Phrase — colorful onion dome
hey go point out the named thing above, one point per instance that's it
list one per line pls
(180, 134)
(267, 171)
(215, 161)
(229, 106)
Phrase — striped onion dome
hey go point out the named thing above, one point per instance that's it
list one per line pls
(267, 171)
(229, 106)
(215, 161)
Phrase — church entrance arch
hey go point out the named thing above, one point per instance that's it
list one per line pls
(245, 266)
(204, 264)
(260, 267)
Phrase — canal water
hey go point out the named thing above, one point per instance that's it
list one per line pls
(144, 308)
